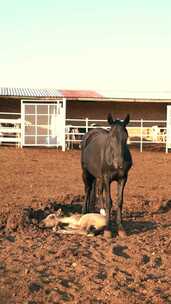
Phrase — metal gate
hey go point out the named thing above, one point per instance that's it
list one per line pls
(168, 144)
(43, 123)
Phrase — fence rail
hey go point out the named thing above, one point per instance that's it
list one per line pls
(10, 129)
(140, 132)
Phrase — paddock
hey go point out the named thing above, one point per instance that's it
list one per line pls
(43, 267)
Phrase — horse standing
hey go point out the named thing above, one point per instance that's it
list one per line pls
(105, 157)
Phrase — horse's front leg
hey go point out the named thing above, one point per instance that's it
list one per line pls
(108, 203)
(119, 203)
(99, 192)
(85, 208)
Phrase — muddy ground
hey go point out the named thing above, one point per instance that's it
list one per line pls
(40, 266)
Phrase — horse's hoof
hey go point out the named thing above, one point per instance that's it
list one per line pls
(107, 234)
(122, 233)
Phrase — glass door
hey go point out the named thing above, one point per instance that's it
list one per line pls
(43, 124)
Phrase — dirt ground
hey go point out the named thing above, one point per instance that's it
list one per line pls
(39, 266)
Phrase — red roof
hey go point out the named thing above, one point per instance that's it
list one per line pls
(80, 94)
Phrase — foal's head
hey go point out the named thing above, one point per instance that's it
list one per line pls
(118, 138)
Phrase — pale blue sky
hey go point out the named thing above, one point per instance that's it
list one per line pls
(92, 44)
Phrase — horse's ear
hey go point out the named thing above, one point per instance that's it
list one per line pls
(110, 119)
(126, 120)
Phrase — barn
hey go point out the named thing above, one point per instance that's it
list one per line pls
(42, 114)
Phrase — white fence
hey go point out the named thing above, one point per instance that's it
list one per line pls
(141, 132)
(10, 129)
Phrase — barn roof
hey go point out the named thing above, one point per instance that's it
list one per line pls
(84, 94)
(29, 92)
(81, 94)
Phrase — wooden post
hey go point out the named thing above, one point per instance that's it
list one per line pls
(141, 130)
(86, 124)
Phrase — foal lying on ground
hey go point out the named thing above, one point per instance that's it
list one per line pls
(91, 223)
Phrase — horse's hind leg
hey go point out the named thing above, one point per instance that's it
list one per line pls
(88, 181)
(92, 196)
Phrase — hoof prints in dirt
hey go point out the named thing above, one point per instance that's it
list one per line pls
(145, 259)
(119, 251)
(34, 287)
(102, 275)
(2, 267)
(10, 238)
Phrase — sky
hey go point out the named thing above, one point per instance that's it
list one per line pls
(122, 45)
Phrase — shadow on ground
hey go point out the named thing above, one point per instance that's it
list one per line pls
(132, 223)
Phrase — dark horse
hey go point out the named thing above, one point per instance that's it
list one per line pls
(105, 157)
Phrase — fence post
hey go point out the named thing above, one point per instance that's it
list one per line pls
(166, 142)
(86, 124)
(141, 130)
(22, 124)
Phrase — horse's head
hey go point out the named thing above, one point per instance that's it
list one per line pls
(118, 136)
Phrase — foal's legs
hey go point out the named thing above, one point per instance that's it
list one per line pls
(119, 203)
